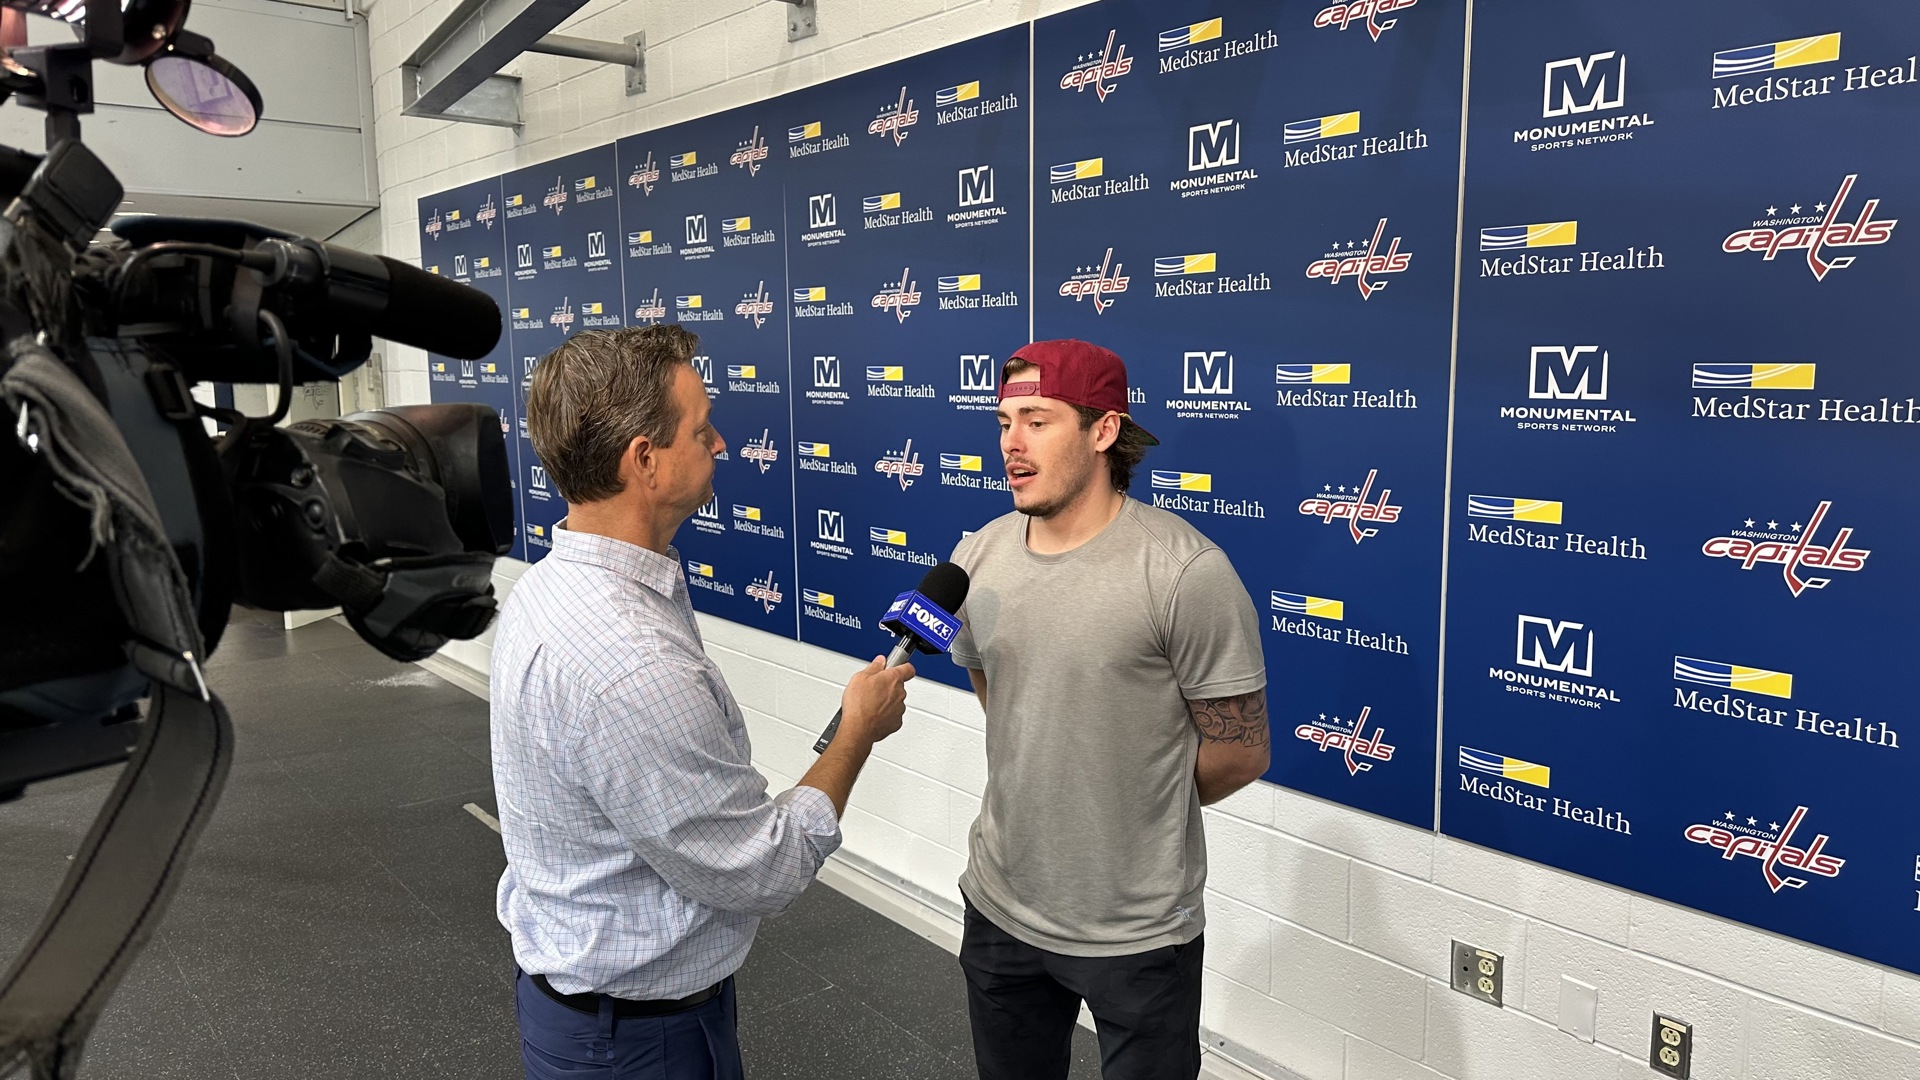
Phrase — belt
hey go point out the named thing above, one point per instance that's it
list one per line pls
(590, 1003)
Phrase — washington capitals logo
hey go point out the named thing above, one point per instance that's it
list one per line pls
(1793, 549)
(751, 153)
(556, 199)
(644, 175)
(761, 451)
(651, 310)
(898, 298)
(1353, 507)
(1098, 70)
(1342, 15)
(895, 119)
(1329, 737)
(1863, 231)
(562, 317)
(1095, 282)
(487, 213)
(904, 466)
(756, 305)
(1772, 845)
(766, 592)
(433, 225)
(1362, 265)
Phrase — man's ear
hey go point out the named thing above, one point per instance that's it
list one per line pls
(640, 464)
(1106, 432)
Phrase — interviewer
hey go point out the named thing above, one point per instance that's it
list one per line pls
(642, 849)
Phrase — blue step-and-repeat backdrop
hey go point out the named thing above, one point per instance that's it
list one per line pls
(1548, 411)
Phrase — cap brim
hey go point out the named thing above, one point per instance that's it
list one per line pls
(1144, 433)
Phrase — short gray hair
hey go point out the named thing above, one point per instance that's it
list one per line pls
(591, 397)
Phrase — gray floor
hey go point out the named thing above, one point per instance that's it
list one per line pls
(338, 917)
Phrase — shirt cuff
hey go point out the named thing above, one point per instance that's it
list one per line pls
(813, 812)
(965, 659)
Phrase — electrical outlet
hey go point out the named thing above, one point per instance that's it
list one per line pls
(1672, 1053)
(1478, 973)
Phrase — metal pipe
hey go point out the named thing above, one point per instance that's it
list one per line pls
(605, 52)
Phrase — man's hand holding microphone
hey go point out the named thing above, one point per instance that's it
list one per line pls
(875, 700)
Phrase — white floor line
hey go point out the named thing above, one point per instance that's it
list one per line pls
(486, 819)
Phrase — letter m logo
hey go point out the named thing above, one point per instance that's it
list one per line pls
(822, 211)
(1213, 146)
(826, 372)
(1551, 645)
(1209, 373)
(831, 526)
(703, 366)
(539, 478)
(1585, 84)
(976, 186)
(976, 373)
(1562, 372)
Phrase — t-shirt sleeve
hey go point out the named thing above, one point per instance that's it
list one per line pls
(1213, 631)
(964, 652)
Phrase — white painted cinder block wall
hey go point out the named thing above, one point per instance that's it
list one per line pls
(1328, 943)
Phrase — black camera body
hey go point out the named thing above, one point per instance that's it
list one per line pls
(128, 531)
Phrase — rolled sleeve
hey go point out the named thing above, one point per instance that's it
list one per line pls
(661, 762)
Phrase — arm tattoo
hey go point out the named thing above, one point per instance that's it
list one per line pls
(1241, 720)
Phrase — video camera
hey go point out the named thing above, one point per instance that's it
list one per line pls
(127, 531)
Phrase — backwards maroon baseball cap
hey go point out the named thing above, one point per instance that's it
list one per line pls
(1078, 373)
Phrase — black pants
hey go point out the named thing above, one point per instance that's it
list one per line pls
(1024, 1002)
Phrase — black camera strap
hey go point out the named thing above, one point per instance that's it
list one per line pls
(118, 886)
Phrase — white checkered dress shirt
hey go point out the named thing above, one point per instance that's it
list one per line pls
(642, 849)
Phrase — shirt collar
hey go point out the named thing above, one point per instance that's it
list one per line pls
(652, 569)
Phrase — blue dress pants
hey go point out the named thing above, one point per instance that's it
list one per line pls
(562, 1043)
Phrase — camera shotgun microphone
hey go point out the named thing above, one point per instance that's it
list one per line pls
(383, 297)
(923, 620)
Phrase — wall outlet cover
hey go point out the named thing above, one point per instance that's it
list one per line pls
(1478, 973)
(1672, 1051)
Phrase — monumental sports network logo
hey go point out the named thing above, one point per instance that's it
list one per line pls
(556, 199)
(1349, 739)
(1815, 232)
(1098, 70)
(903, 465)
(644, 175)
(761, 451)
(1772, 844)
(750, 153)
(1096, 283)
(755, 306)
(899, 297)
(1342, 15)
(1738, 677)
(433, 226)
(652, 309)
(766, 592)
(1361, 265)
(1352, 507)
(1793, 548)
(1577, 87)
(707, 518)
(894, 119)
(1559, 653)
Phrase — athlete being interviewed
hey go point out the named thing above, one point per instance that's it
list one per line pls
(1118, 658)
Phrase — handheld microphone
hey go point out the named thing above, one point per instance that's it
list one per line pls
(923, 622)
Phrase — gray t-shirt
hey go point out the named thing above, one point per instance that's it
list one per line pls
(1089, 840)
